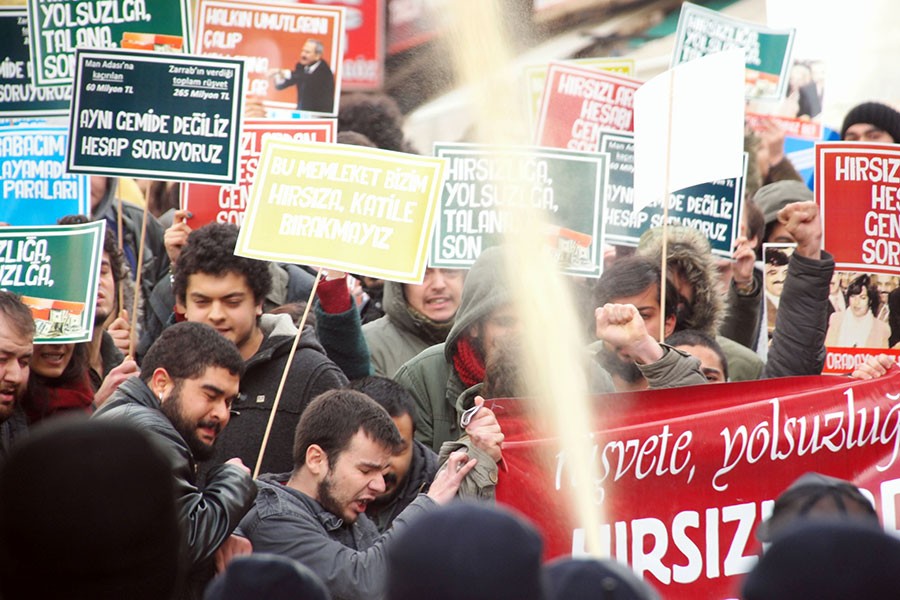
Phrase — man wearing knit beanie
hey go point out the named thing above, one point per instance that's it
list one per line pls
(871, 122)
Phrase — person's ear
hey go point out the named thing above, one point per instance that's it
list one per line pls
(316, 460)
(670, 325)
(161, 384)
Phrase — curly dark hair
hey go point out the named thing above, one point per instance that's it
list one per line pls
(375, 116)
(210, 250)
(186, 350)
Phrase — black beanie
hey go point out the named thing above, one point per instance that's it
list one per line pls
(589, 579)
(880, 115)
(466, 550)
(266, 576)
(87, 511)
(827, 560)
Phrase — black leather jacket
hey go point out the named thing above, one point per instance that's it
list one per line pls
(207, 516)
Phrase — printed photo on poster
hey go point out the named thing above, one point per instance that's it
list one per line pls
(294, 52)
(775, 267)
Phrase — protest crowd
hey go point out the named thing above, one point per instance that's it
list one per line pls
(238, 428)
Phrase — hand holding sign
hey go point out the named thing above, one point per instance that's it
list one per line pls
(176, 236)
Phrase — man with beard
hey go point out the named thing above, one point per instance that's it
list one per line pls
(182, 400)
(16, 334)
(628, 323)
(414, 466)
(316, 513)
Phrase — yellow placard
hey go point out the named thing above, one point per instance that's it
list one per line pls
(361, 210)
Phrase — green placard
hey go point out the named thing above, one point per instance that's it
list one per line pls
(485, 186)
(58, 28)
(55, 269)
(160, 116)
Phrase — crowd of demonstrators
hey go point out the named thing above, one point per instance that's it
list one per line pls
(358, 467)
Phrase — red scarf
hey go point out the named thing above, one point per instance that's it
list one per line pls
(76, 395)
(468, 362)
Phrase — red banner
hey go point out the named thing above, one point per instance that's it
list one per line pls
(801, 128)
(364, 48)
(858, 190)
(580, 102)
(226, 203)
(684, 476)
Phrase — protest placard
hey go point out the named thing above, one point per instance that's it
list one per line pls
(579, 102)
(536, 77)
(702, 32)
(689, 131)
(775, 267)
(798, 128)
(361, 210)
(36, 188)
(19, 97)
(412, 23)
(364, 24)
(858, 191)
(226, 203)
(487, 185)
(293, 51)
(58, 28)
(55, 269)
(161, 116)
(684, 476)
(713, 208)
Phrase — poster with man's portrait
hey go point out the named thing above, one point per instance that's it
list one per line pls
(294, 53)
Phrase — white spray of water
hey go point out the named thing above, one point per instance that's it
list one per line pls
(553, 350)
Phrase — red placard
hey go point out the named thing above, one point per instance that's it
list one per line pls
(579, 102)
(684, 476)
(412, 23)
(271, 37)
(364, 47)
(858, 191)
(226, 203)
(800, 128)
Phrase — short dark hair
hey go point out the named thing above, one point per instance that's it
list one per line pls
(390, 395)
(16, 313)
(630, 276)
(186, 350)
(694, 337)
(864, 281)
(333, 418)
(210, 250)
(374, 115)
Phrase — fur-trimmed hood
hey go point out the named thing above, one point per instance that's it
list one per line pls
(689, 253)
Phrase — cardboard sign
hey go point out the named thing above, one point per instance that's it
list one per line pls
(798, 128)
(858, 190)
(579, 102)
(689, 131)
(280, 43)
(413, 22)
(19, 97)
(56, 271)
(860, 323)
(36, 188)
(712, 208)
(364, 50)
(702, 31)
(536, 77)
(227, 203)
(361, 210)
(684, 476)
(485, 184)
(161, 116)
(58, 28)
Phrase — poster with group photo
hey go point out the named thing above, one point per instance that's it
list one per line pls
(863, 319)
(294, 52)
(55, 270)
(58, 28)
(702, 31)
(207, 203)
